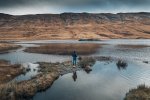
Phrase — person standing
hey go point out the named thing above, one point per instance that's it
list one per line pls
(74, 56)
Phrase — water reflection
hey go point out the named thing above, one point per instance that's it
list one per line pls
(104, 82)
(74, 76)
(31, 70)
(121, 65)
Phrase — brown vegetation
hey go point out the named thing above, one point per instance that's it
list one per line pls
(121, 64)
(9, 71)
(133, 46)
(48, 73)
(75, 26)
(5, 47)
(141, 93)
(86, 63)
(65, 49)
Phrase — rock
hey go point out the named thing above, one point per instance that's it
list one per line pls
(74, 66)
(145, 62)
(28, 69)
(88, 69)
(8, 75)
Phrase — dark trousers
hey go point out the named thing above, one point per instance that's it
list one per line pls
(74, 62)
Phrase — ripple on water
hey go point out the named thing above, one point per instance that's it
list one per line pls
(105, 82)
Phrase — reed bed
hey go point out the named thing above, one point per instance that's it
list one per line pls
(133, 46)
(9, 71)
(5, 47)
(142, 92)
(65, 49)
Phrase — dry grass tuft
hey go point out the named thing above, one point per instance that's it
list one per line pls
(142, 92)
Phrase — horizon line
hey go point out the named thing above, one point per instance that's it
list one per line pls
(76, 13)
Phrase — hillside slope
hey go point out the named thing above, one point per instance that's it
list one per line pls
(75, 26)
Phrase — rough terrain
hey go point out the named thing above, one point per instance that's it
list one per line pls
(75, 26)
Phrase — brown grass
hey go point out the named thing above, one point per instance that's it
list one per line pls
(56, 28)
(5, 47)
(133, 46)
(141, 93)
(86, 61)
(8, 71)
(65, 49)
(49, 72)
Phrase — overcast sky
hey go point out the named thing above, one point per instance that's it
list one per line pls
(21, 7)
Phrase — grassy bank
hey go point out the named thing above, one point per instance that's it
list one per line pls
(23, 90)
(48, 73)
(5, 47)
(142, 92)
(65, 49)
(9, 71)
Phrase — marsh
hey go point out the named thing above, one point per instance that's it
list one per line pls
(105, 81)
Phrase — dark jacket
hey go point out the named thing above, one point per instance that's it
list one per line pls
(74, 55)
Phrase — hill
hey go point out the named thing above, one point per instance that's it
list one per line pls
(75, 26)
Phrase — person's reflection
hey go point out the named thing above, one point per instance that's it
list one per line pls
(74, 76)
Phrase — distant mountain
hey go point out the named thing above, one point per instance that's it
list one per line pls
(75, 26)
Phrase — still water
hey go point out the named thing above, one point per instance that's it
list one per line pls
(105, 82)
(108, 48)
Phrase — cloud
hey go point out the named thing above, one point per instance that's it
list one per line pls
(70, 3)
(39, 6)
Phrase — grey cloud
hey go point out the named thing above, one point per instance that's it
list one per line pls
(75, 3)
(59, 6)
(10, 3)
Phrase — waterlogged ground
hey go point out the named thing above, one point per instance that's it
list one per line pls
(110, 48)
(106, 81)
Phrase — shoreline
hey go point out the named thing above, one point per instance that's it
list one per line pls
(142, 92)
(9, 71)
(6, 47)
(19, 40)
(48, 73)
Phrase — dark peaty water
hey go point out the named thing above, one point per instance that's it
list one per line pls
(105, 82)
